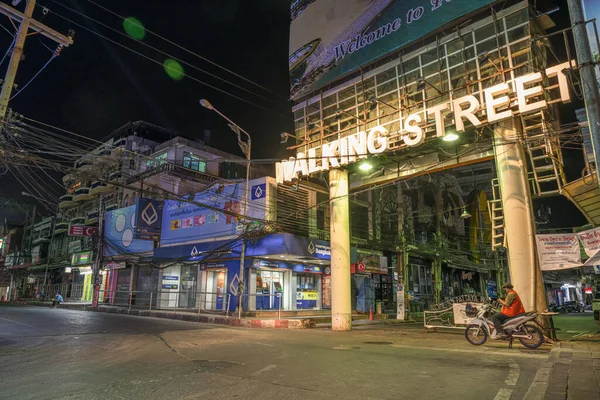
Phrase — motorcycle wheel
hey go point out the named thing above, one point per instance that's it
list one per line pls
(563, 310)
(537, 338)
(476, 335)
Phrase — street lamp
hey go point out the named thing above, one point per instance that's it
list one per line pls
(246, 148)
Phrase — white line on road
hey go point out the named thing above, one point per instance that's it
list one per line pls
(265, 369)
(16, 322)
(503, 394)
(514, 372)
(511, 353)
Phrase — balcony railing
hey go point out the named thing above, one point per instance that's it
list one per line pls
(92, 218)
(176, 169)
(78, 221)
(82, 193)
(65, 201)
(99, 187)
(61, 227)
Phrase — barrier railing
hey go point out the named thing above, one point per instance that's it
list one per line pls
(166, 300)
(276, 295)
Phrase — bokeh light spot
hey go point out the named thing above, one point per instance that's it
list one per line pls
(134, 28)
(174, 69)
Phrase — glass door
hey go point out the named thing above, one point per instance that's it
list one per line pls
(269, 283)
(216, 288)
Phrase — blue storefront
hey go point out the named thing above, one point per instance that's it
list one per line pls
(281, 271)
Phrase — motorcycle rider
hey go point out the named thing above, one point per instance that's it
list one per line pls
(511, 307)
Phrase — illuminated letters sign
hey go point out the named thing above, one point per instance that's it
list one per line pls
(498, 106)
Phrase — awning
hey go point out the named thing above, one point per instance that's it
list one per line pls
(271, 244)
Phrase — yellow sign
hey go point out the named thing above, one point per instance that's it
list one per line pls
(309, 295)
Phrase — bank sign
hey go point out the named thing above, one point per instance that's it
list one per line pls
(501, 102)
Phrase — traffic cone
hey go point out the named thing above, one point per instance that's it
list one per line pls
(370, 313)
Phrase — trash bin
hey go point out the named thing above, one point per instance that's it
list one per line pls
(378, 307)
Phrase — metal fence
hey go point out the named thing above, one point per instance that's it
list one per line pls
(182, 301)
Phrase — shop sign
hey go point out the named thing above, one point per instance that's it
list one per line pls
(84, 270)
(319, 249)
(114, 265)
(265, 263)
(588, 290)
(465, 312)
(369, 261)
(498, 106)
(259, 191)
(75, 246)
(82, 230)
(170, 282)
(81, 258)
(68, 270)
(558, 251)
(148, 219)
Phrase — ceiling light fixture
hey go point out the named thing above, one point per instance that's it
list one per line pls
(450, 137)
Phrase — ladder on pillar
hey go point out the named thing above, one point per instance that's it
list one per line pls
(545, 156)
(496, 216)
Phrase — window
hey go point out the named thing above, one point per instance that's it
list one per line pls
(194, 162)
(158, 160)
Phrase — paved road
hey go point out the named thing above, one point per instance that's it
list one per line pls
(66, 354)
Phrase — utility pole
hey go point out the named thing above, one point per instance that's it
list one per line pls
(589, 81)
(26, 22)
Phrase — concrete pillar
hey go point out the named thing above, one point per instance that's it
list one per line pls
(341, 305)
(519, 225)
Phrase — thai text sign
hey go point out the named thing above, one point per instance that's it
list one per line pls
(501, 102)
(558, 251)
(81, 230)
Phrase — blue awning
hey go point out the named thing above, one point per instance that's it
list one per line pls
(284, 243)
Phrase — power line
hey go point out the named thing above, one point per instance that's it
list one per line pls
(161, 64)
(34, 76)
(165, 53)
(190, 52)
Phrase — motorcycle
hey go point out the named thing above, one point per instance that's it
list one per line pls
(553, 307)
(574, 306)
(481, 327)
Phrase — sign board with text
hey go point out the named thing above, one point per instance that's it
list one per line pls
(82, 230)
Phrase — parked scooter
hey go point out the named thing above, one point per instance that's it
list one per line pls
(574, 306)
(481, 327)
(553, 307)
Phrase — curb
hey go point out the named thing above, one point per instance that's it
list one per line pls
(205, 319)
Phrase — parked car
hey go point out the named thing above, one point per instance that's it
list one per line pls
(574, 306)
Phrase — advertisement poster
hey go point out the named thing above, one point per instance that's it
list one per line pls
(331, 38)
(119, 234)
(202, 220)
(558, 251)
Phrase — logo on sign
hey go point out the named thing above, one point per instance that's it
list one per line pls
(259, 191)
(194, 252)
(234, 286)
(149, 214)
(311, 248)
(361, 266)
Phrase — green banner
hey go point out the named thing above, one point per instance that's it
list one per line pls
(328, 41)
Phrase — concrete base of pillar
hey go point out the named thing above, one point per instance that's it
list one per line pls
(341, 322)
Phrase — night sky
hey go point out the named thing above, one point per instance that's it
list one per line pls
(94, 87)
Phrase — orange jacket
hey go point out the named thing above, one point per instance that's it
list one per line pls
(515, 308)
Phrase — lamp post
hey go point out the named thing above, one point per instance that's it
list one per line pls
(246, 148)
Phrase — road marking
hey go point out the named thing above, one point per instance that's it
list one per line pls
(503, 394)
(16, 322)
(514, 372)
(265, 369)
(512, 353)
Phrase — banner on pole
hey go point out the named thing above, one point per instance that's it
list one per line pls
(590, 240)
(558, 251)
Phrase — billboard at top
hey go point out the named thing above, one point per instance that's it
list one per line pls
(330, 38)
(591, 9)
(213, 214)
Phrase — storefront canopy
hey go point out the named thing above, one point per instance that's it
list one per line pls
(269, 245)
